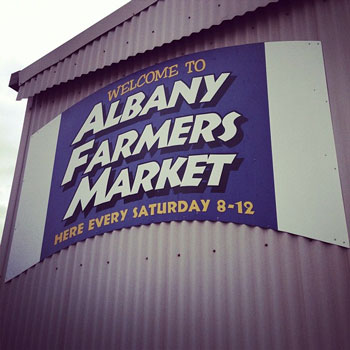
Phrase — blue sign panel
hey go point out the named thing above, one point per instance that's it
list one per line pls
(187, 139)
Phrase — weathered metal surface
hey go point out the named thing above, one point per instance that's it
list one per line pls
(185, 286)
(100, 46)
(260, 289)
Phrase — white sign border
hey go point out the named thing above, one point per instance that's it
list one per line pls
(32, 208)
(308, 192)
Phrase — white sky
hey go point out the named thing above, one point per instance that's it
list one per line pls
(29, 30)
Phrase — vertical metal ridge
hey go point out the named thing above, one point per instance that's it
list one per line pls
(184, 285)
(161, 23)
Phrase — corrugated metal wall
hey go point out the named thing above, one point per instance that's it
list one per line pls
(163, 286)
(161, 23)
(195, 285)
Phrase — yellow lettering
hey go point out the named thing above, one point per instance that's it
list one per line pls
(72, 231)
(134, 212)
(80, 228)
(132, 86)
(161, 210)
(194, 206)
(58, 238)
(172, 207)
(205, 204)
(249, 208)
(91, 224)
(107, 219)
(65, 234)
(143, 211)
(152, 207)
(196, 65)
(144, 80)
(182, 206)
(99, 221)
(153, 76)
(115, 216)
(113, 93)
(161, 75)
(173, 71)
(123, 212)
(125, 88)
(189, 65)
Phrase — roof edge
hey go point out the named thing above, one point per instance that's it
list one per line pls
(117, 17)
(14, 81)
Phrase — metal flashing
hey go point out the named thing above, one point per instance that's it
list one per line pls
(14, 81)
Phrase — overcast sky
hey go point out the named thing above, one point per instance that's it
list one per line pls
(29, 30)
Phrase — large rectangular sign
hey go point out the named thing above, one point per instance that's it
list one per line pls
(232, 135)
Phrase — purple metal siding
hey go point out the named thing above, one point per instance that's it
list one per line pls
(260, 289)
(116, 18)
(162, 22)
(130, 290)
